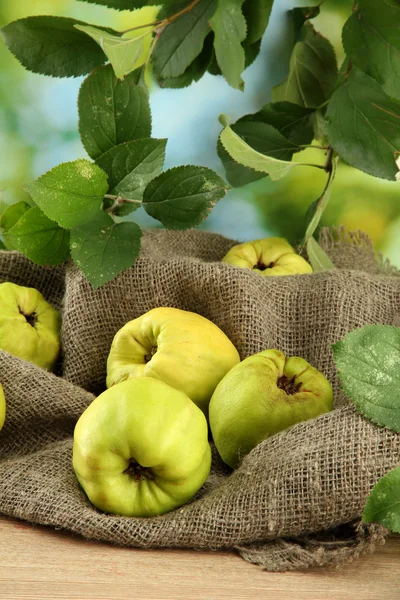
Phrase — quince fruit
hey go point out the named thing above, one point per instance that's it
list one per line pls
(141, 449)
(2, 407)
(268, 257)
(181, 348)
(29, 325)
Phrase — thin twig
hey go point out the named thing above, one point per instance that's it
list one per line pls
(154, 24)
(162, 23)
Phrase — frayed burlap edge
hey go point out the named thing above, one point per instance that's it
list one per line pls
(315, 551)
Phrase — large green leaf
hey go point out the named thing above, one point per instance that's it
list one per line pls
(183, 197)
(312, 71)
(371, 38)
(70, 194)
(111, 111)
(182, 41)
(261, 137)
(256, 13)
(383, 504)
(245, 155)
(368, 363)
(124, 53)
(363, 125)
(229, 26)
(103, 248)
(52, 46)
(130, 167)
(39, 238)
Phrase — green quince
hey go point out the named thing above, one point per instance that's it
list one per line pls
(141, 449)
(261, 396)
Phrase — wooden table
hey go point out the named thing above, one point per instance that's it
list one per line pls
(42, 564)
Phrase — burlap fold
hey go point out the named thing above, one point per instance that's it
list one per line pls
(297, 499)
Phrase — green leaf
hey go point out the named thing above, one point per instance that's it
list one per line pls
(52, 46)
(363, 125)
(39, 238)
(383, 504)
(251, 51)
(182, 41)
(2, 245)
(322, 202)
(12, 214)
(112, 111)
(291, 120)
(71, 193)
(300, 15)
(195, 71)
(124, 54)
(312, 71)
(130, 167)
(10, 217)
(320, 131)
(256, 13)
(103, 248)
(229, 26)
(317, 257)
(368, 363)
(123, 4)
(261, 137)
(213, 67)
(245, 155)
(183, 197)
(371, 39)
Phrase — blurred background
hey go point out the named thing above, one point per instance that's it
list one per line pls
(38, 130)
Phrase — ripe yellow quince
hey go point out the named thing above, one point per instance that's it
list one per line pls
(268, 257)
(181, 348)
(29, 325)
(2, 407)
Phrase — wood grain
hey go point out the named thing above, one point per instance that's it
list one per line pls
(39, 563)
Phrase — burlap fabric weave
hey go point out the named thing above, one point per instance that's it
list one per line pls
(297, 499)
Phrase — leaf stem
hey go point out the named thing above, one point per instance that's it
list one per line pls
(328, 168)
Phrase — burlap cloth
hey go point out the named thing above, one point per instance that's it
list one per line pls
(296, 501)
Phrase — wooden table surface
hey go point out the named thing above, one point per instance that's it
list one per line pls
(42, 564)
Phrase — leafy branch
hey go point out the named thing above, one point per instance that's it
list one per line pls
(77, 207)
(353, 113)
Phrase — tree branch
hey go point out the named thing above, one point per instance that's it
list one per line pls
(162, 23)
(118, 201)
